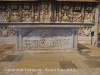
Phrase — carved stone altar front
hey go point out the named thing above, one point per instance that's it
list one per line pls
(47, 39)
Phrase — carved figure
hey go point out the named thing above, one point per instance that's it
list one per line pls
(84, 31)
(65, 18)
(15, 16)
(3, 16)
(27, 17)
(46, 18)
(77, 17)
(89, 14)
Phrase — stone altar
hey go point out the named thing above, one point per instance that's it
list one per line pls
(42, 25)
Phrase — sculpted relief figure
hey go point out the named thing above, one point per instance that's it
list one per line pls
(15, 13)
(77, 17)
(46, 17)
(6, 31)
(77, 14)
(15, 16)
(84, 31)
(3, 16)
(27, 13)
(65, 18)
(89, 14)
(87, 17)
(47, 13)
(66, 14)
(27, 17)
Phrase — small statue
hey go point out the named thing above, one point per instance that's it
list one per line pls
(27, 17)
(3, 16)
(87, 31)
(15, 16)
(65, 18)
(46, 19)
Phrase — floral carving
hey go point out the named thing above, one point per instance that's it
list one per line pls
(6, 31)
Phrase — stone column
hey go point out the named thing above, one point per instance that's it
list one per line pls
(72, 40)
(75, 38)
(18, 41)
(96, 26)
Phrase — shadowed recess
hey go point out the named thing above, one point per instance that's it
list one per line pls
(9, 58)
(80, 46)
(67, 64)
(19, 58)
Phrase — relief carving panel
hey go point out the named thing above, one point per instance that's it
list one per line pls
(15, 12)
(3, 16)
(47, 12)
(78, 13)
(6, 31)
(86, 31)
(89, 13)
(66, 12)
(47, 39)
(3, 13)
(27, 12)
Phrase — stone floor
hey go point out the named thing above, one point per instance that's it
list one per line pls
(84, 62)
